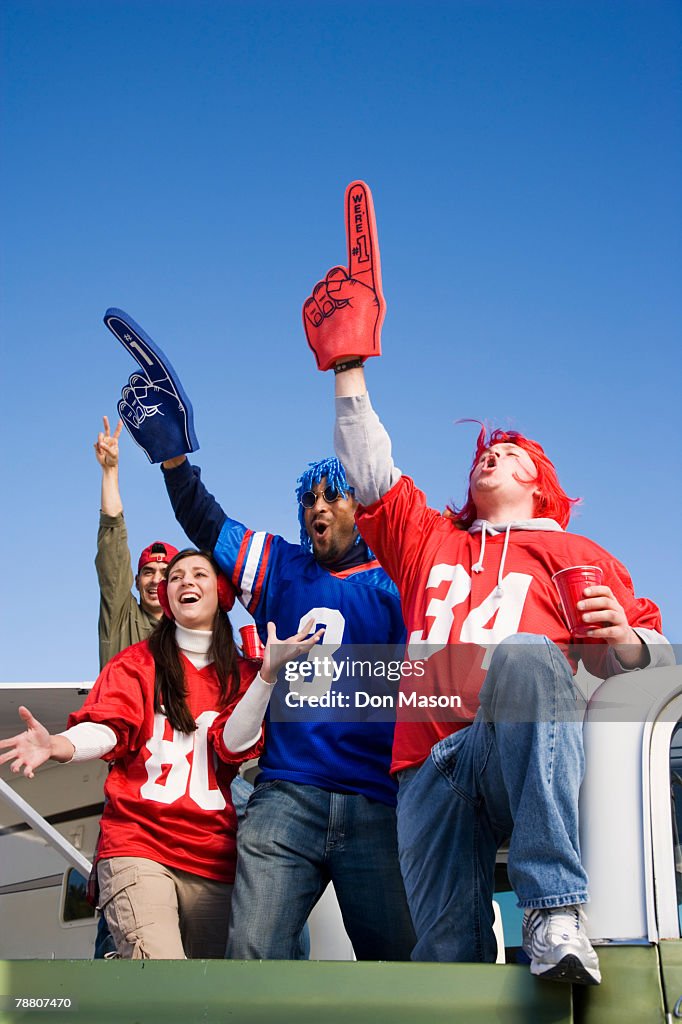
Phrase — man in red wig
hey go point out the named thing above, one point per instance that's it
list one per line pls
(488, 743)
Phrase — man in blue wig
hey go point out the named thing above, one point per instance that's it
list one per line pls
(323, 809)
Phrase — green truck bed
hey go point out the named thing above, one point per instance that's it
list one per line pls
(278, 992)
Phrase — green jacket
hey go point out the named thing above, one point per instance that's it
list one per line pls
(122, 621)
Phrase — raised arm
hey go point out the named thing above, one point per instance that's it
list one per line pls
(106, 453)
(112, 561)
(197, 511)
(361, 440)
(342, 319)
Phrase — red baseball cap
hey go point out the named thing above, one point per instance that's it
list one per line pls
(157, 551)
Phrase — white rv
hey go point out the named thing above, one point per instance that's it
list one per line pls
(631, 819)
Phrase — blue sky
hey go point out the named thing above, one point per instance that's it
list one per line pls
(186, 161)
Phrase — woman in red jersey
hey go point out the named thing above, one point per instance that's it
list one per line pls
(162, 712)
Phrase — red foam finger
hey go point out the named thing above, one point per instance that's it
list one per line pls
(312, 312)
(364, 262)
(336, 276)
(321, 297)
(352, 328)
(339, 285)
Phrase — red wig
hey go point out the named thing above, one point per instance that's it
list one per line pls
(550, 502)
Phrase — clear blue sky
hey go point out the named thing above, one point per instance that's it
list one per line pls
(187, 161)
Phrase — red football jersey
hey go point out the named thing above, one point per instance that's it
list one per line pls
(168, 794)
(454, 612)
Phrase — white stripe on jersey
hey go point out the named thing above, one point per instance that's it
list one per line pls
(251, 567)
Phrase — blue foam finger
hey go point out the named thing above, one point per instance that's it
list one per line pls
(154, 407)
(160, 436)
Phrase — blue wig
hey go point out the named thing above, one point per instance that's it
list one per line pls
(336, 477)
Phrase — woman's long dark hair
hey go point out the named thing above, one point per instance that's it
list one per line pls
(170, 687)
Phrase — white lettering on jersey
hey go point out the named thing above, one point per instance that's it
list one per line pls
(170, 758)
(207, 799)
(317, 680)
(506, 607)
(440, 608)
(509, 608)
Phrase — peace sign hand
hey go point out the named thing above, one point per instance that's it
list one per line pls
(157, 413)
(106, 445)
(342, 317)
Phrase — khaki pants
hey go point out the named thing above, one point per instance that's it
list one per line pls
(160, 913)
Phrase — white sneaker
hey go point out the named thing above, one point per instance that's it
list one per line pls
(558, 947)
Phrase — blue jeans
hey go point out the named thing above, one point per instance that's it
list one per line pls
(241, 790)
(514, 774)
(293, 841)
(104, 941)
(241, 793)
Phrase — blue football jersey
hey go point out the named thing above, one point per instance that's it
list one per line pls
(283, 583)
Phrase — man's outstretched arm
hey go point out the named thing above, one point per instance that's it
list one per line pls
(243, 554)
(197, 511)
(106, 453)
(112, 561)
(361, 441)
(342, 318)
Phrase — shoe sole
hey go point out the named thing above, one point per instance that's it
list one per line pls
(569, 969)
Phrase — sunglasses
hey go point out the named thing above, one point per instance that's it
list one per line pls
(330, 494)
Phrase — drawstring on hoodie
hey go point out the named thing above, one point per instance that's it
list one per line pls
(499, 589)
(478, 566)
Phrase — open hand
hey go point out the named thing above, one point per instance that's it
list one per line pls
(29, 749)
(279, 652)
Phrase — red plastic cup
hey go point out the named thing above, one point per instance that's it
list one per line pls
(571, 585)
(252, 645)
